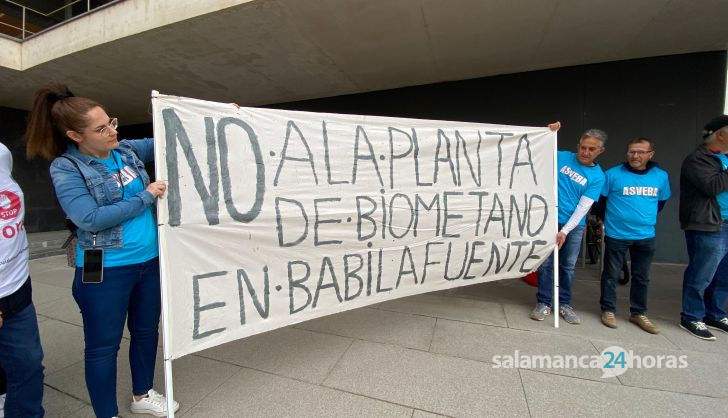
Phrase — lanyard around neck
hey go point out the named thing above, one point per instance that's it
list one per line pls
(119, 166)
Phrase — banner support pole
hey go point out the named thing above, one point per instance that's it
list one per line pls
(555, 266)
(166, 346)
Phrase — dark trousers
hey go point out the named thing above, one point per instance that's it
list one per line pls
(640, 252)
(21, 358)
(128, 294)
(568, 254)
(705, 284)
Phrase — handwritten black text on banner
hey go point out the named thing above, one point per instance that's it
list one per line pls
(276, 217)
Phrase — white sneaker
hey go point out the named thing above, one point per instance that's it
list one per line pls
(154, 404)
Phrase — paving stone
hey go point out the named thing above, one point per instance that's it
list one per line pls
(439, 306)
(85, 412)
(51, 271)
(290, 352)
(62, 344)
(705, 374)
(552, 395)
(590, 328)
(70, 380)
(682, 339)
(64, 309)
(406, 330)
(44, 293)
(424, 414)
(252, 393)
(194, 378)
(482, 343)
(499, 291)
(366, 378)
(60, 405)
(431, 382)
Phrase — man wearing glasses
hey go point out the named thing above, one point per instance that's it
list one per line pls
(634, 191)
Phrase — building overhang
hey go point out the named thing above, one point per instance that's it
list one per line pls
(257, 52)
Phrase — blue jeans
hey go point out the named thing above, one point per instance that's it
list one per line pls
(568, 254)
(132, 289)
(705, 283)
(640, 253)
(20, 357)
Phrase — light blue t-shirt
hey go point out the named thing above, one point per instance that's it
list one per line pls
(632, 201)
(576, 180)
(139, 234)
(722, 198)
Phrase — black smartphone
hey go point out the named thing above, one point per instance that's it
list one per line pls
(93, 266)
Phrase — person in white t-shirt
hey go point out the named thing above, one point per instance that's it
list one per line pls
(21, 355)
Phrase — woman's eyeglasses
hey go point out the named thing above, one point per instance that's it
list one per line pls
(106, 129)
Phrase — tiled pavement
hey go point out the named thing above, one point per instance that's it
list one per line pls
(422, 356)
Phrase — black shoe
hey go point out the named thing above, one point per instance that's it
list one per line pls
(697, 329)
(721, 325)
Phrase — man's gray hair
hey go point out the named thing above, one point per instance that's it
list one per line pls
(596, 134)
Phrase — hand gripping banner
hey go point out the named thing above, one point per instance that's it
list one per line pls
(276, 217)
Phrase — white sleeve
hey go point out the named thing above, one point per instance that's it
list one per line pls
(581, 210)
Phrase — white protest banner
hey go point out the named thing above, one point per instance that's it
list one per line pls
(276, 217)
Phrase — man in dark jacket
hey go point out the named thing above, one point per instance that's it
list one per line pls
(704, 218)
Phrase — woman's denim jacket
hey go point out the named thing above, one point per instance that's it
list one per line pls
(96, 205)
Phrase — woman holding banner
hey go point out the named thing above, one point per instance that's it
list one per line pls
(104, 189)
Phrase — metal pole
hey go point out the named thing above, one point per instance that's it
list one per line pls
(22, 36)
(555, 274)
(166, 332)
(602, 248)
(166, 347)
(168, 392)
(583, 248)
(725, 94)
